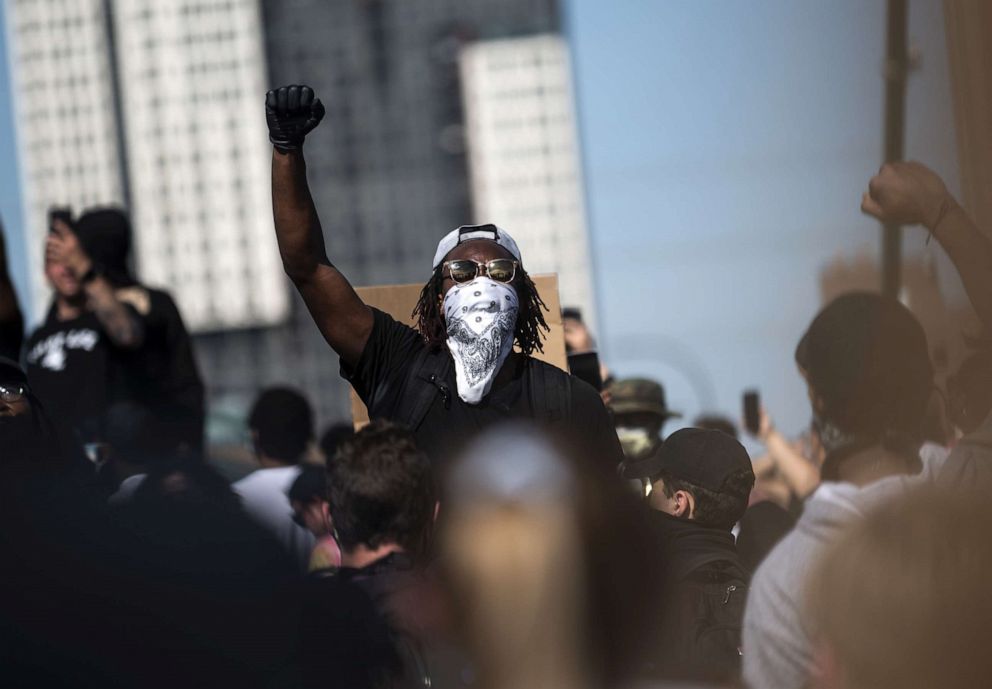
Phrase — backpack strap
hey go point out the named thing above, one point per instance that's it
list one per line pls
(424, 381)
(685, 569)
(550, 393)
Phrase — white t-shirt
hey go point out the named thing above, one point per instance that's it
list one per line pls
(264, 495)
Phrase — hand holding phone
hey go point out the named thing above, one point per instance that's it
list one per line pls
(752, 412)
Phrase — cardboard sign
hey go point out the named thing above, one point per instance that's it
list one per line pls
(398, 301)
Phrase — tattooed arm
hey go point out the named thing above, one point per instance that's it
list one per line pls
(120, 324)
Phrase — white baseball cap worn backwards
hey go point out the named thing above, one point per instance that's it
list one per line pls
(467, 233)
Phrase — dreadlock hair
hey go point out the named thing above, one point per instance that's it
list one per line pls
(530, 319)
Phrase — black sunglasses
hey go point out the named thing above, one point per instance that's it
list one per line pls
(466, 270)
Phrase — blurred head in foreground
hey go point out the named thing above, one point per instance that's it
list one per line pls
(902, 600)
(543, 563)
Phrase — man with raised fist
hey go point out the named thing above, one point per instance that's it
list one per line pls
(468, 364)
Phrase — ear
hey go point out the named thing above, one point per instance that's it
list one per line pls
(437, 510)
(685, 504)
(325, 514)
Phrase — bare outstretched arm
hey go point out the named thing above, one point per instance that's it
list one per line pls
(343, 318)
(910, 193)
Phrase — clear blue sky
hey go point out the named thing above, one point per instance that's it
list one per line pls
(726, 146)
(10, 200)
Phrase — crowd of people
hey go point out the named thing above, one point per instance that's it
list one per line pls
(500, 522)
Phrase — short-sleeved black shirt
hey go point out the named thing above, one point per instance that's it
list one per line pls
(383, 370)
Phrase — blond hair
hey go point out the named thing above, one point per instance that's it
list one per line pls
(903, 600)
(517, 573)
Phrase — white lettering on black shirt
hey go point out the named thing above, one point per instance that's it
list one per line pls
(50, 353)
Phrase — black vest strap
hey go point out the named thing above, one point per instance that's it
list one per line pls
(550, 393)
(424, 382)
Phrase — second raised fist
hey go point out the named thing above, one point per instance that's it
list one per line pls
(291, 112)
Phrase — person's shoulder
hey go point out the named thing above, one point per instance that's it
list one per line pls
(267, 479)
(382, 319)
(585, 393)
(554, 373)
(781, 573)
(38, 332)
(250, 483)
(970, 462)
(158, 303)
(337, 592)
(46, 326)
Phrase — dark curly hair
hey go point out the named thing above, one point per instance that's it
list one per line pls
(530, 320)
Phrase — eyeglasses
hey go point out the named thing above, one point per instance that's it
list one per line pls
(466, 270)
(12, 392)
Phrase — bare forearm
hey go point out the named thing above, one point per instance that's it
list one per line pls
(121, 326)
(801, 476)
(343, 319)
(763, 466)
(298, 231)
(971, 253)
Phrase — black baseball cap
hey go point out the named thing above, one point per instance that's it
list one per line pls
(704, 458)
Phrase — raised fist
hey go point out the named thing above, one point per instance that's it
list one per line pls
(907, 193)
(291, 113)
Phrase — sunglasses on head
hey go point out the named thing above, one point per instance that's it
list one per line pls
(466, 270)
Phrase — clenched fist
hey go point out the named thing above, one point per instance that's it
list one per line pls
(291, 112)
(907, 193)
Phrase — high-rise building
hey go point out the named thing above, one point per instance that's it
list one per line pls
(67, 130)
(524, 157)
(192, 77)
(144, 103)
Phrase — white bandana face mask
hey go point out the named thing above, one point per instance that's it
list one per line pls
(481, 316)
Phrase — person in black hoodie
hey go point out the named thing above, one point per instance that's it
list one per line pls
(109, 339)
(700, 483)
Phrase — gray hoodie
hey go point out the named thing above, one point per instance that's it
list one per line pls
(776, 638)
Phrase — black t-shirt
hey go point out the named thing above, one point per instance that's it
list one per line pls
(77, 372)
(162, 374)
(68, 364)
(356, 632)
(384, 367)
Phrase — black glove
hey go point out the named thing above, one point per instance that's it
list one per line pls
(291, 113)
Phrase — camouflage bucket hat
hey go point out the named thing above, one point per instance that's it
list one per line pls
(639, 395)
